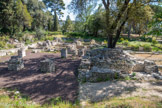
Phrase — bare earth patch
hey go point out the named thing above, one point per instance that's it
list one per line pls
(105, 90)
(148, 56)
(41, 87)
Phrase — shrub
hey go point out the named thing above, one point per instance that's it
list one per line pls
(121, 39)
(147, 47)
(54, 33)
(154, 41)
(2, 44)
(135, 47)
(40, 33)
(125, 42)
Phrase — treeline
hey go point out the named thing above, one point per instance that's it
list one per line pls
(145, 19)
(29, 15)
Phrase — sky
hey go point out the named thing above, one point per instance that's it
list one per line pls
(66, 12)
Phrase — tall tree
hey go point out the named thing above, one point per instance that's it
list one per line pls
(22, 15)
(68, 26)
(6, 16)
(117, 14)
(56, 22)
(56, 7)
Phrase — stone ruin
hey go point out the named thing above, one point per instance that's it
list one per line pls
(16, 63)
(47, 66)
(107, 64)
(22, 52)
(64, 53)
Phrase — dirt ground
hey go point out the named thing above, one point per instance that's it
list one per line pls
(105, 90)
(149, 57)
(41, 87)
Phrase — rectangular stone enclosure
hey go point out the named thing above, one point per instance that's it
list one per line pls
(47, 66)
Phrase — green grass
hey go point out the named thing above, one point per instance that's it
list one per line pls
(12, 99)
(130, 102)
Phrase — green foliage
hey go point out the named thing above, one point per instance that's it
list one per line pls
(40, 33)
(147, 47)
(2, 44)
(56, 22)
(68, 26)
(53, 33)
(6, 16)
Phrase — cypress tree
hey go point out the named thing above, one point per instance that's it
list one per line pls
(56, 23)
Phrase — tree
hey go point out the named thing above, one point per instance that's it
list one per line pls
(68, 26)
(22, 16)
(56, 23)
(56, 6)
(40, 17)
(6, 16)
(117, 14)
(156, 23)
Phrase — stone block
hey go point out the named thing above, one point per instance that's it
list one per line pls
(47, 66)
(64, 53)
(150, 67)
(15, 63)
(22, 52)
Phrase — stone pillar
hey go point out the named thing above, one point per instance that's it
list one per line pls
(22, 52)
(81, 52)
(64, 53)
(47, 66)
(15, 63)
(75, 52)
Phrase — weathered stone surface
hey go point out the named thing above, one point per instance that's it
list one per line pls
(104, 63)
(57, 39)
(64, 53)
(79, 43)
(47, 66)
(33, 46)
(81, 52)
(150, 67)
(139, 66)
(36, 50)
(71, 48)
(15, 63)
(141, 49)
(92, 42)
(22, 52)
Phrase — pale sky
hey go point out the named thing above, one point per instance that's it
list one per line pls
(66, 12)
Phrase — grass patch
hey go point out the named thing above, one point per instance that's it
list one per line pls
(13, 99)
(130, 102)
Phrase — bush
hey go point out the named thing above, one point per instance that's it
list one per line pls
(40, 33)
(2, 44)
(135, 47)
(53, 33)
(75, 34)
(147, 47)
(125, 42)
(121, 39)
(154, 41)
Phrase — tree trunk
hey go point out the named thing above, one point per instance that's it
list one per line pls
(110, 41)
(129, 31)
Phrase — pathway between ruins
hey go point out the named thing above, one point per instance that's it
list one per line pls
(41, 87)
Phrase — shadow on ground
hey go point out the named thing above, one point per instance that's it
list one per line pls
(41, 87)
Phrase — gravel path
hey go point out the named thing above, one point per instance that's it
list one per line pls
(38, 86)
(98, 91)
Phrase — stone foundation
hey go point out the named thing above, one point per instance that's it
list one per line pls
(15, 63)
(47, 66)
(107, 64)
